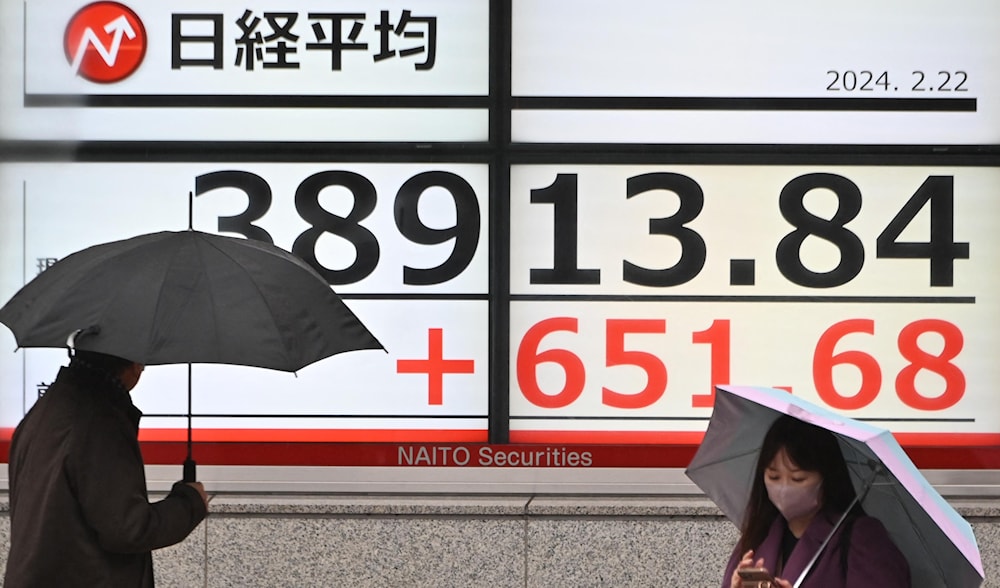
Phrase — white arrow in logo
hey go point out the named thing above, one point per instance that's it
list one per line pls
(118, 27)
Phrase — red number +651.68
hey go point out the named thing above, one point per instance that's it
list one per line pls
(717, 336)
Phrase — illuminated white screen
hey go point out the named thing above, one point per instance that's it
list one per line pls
(636, 288)
(52, 210)
(398, 71)
(727, 71)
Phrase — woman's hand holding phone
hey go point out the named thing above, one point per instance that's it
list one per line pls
(747, 561)
(755, 577)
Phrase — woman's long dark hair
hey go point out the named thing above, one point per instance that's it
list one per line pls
(810, 448)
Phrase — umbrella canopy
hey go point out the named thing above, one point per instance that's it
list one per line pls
(937, 542)
(187, 297)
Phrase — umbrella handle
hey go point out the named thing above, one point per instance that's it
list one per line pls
(189, 471)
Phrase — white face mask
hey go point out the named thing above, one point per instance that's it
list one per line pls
(794, 500)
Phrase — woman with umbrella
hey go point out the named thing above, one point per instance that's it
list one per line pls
(800, 490)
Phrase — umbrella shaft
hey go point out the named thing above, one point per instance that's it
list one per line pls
(189, 443)
(857, 499)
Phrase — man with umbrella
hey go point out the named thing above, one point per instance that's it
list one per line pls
(80, 514)
(79, 510)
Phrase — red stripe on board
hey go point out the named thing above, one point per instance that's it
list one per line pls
(316, 435)
(387, 454)
(948, 439)
(609, 437)
(421, 455)
(379, 447)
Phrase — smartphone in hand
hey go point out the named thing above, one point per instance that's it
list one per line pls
(755, 577)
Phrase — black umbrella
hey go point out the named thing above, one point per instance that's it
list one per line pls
(187, 297)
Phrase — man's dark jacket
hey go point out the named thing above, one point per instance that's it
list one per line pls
(79, 511)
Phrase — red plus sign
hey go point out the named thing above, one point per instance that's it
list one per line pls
(435, 366)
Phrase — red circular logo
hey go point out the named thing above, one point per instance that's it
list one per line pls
(105, 42)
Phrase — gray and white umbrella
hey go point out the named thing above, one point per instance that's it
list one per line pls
(937, 542)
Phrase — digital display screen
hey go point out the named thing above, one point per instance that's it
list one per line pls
(425, 302)
(566, 222)
(191, 71)
(732, 72)
(635, 289)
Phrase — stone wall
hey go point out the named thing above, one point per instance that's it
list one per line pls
(497, 541)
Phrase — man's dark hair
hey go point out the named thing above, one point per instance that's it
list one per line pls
(109, 364)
